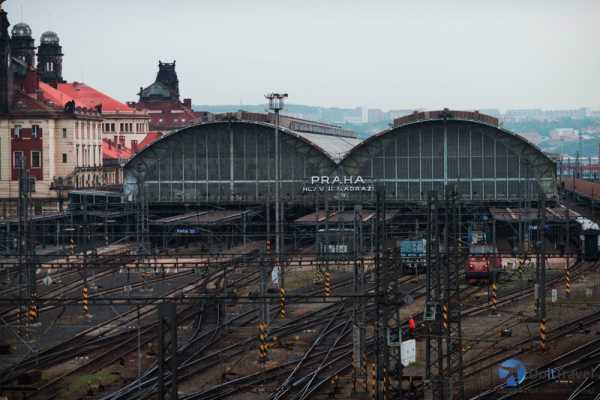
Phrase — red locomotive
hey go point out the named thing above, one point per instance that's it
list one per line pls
(482, 259)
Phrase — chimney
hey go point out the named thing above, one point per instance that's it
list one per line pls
(187, 103)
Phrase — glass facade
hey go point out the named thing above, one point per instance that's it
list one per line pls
(484, 162)
(225, 162)
(235, 162)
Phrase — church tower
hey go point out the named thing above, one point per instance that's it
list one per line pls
(168, 77)
(22, 44)
(5, 71)
(50, 59)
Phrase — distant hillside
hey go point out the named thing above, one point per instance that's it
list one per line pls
(230, 108)
(352, 118)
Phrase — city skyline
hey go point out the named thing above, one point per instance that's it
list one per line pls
(385, 55)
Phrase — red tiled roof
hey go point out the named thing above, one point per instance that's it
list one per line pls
(26, 103)
(87, 96)
(149, 139)
(111, 150)
(55, 96)
(166, 118)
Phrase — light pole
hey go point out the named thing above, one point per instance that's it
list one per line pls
(276, 104)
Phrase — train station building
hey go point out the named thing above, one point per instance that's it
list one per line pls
(233, 161)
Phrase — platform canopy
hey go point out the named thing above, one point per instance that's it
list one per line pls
(557, 214)
(342, 217)
(201, 218)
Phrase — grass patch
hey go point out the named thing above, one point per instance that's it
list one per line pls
(298, 279)
(79, 384)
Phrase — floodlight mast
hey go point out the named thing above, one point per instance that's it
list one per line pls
(276, 104)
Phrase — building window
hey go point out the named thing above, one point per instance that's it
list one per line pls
(64, 158)
(18, 159)
(64, 132)
(50, 66)
(35, 131)
(112, 127)
(77, 155)
(18, 131)
(121, 126)
(36, 159)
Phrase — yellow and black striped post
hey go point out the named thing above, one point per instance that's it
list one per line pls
(494, 297)
(364, 366)
(373, 381)
(568, 281)
(263, 347)
(33, 309)
(386, 385)
(445, 319)
(21, 326)
(85, 295)
(543, 334)
(281, 303)
(334, 381)
(327, 284)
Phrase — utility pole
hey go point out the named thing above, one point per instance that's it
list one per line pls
(541, 271)
(276, 104)
(25, 248)
(443, 351)
(359, 312)
(167, 366)
(141, 220)
(598, 165)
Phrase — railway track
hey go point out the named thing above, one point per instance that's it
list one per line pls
(583, 358)
(81, 342)
(326, 358)
(203, 359)
(125, 345)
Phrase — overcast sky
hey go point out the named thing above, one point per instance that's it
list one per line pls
(391, 54)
